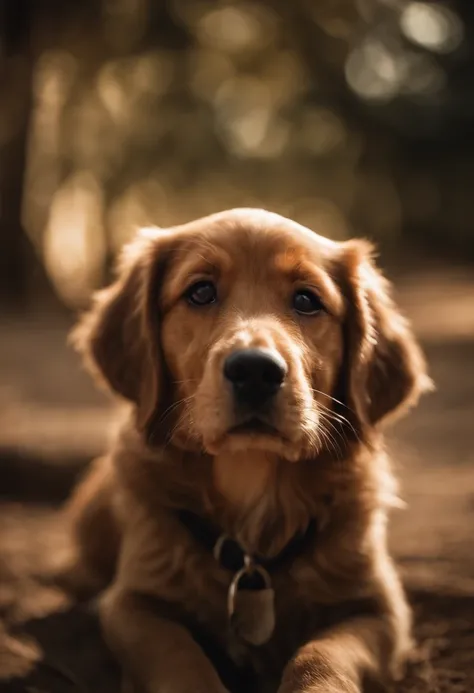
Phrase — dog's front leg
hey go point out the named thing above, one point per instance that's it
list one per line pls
(156, 654)
(343, 657)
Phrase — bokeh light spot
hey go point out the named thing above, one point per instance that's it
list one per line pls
(434, 27)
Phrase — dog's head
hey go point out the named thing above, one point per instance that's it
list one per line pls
(245, 331)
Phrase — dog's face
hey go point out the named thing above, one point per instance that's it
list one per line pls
(246, 331)
(251, 333)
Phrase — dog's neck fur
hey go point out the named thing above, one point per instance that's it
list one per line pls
(259, 499)
(245, 479)
(263, 499)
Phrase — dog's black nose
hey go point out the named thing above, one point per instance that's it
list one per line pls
(256, 375)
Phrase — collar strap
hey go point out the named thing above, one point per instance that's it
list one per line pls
(230, 554)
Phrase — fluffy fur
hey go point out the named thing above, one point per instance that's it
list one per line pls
(342, 617)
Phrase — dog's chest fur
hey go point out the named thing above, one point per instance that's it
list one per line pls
(261, 502)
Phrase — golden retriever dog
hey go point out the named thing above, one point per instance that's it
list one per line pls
(241, 513)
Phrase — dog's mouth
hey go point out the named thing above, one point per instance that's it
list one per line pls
(255, 433)
(254, 426)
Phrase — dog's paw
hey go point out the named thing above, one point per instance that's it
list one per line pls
(317, 676)
(76, 580)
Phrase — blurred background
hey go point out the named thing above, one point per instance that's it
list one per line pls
(347, 115)
(354, 117)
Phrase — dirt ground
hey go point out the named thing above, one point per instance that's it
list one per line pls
(49, 410)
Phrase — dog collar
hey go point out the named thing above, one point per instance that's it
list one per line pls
(231, 555)
(250, 603)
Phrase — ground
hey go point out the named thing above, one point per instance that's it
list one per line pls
(49, 409)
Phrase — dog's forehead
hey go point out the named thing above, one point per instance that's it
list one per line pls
(251, 229)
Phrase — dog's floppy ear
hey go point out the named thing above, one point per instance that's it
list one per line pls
(385, 368)
(119, 336)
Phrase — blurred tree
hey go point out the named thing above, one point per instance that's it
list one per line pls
(16, 68)
(22, 38)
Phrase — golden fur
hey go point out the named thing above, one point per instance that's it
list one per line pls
(342, 618)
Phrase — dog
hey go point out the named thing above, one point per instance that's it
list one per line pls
(241, 512)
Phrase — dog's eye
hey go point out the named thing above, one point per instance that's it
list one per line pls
(202, 293)
(307, 303)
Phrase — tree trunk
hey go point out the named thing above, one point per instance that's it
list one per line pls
(20, 269)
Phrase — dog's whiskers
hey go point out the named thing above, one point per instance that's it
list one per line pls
(329, 426)
(337, 401)
(335, 416)
(173, 406)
